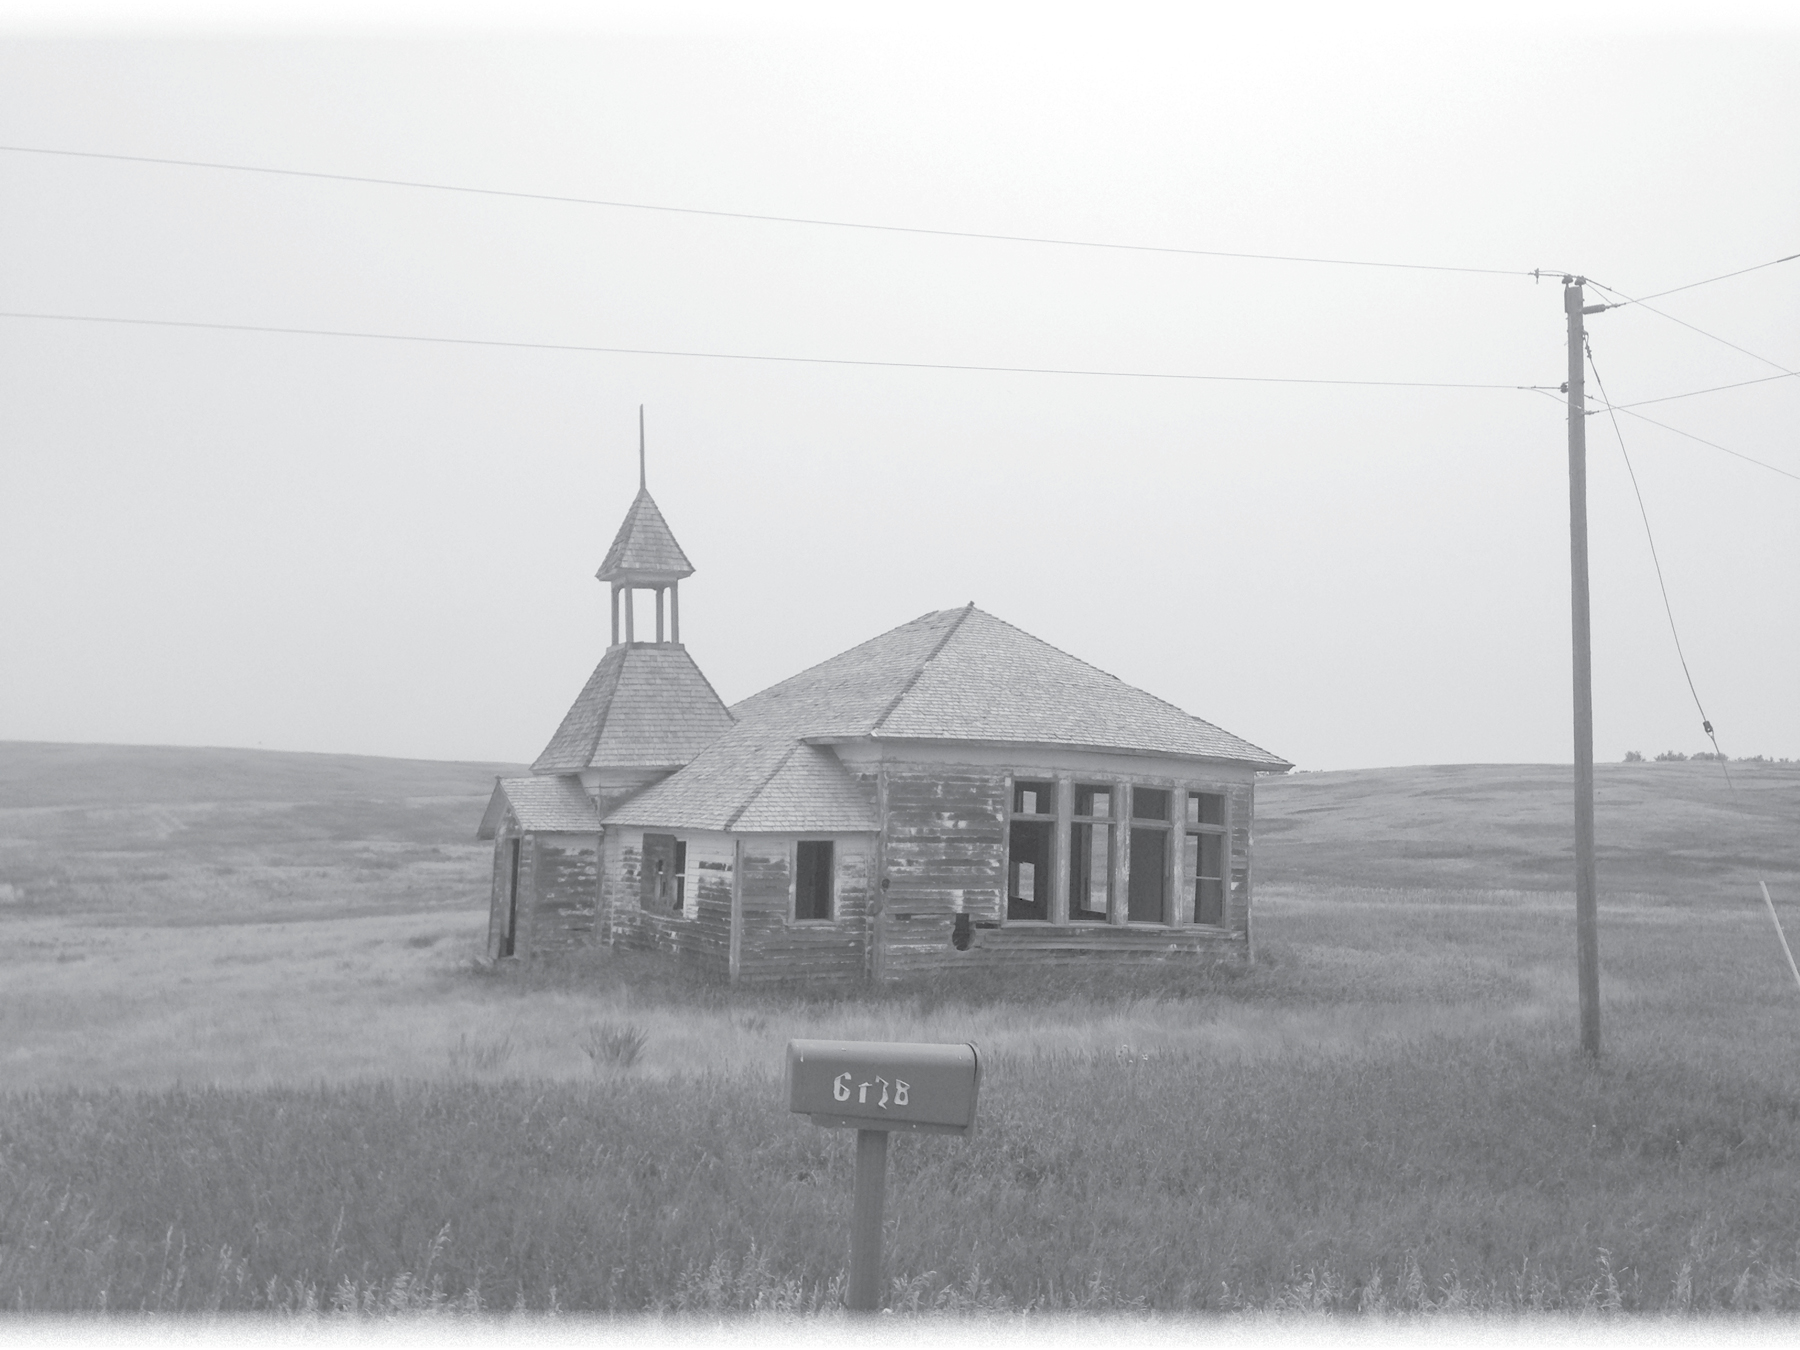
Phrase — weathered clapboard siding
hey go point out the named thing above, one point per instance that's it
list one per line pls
(557, 890)
(710, 877)
(1042, 946)
(944, 852)
(772, 944)
(565, 871)
(700, 933)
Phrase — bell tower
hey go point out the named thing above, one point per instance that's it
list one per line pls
(645, 557)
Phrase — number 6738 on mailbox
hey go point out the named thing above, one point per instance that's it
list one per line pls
(884, 1085)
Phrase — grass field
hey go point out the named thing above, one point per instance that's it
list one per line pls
(251, 1064)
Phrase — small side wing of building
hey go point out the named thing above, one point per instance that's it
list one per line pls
(546, 833)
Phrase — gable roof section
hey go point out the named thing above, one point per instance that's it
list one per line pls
(991, 681)
(550, 805)
(644, 547)
(755, 784)
(809, 790)
(645, 706)
(759, 773)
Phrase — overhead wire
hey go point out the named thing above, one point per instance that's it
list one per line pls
(1723, 276)
(1714, 389)
(900, 229)
(751, 356)
(765, 218)
(1723, 449)
(1624, 299)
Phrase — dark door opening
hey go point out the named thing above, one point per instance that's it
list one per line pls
(512, 902)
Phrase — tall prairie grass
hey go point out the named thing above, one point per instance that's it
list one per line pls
(1499, 1175)
(252, 1065)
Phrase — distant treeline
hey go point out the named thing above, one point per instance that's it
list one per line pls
(1671, 756)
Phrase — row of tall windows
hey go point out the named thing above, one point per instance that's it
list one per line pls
(1096, 837)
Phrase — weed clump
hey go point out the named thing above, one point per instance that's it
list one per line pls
(613, 1044)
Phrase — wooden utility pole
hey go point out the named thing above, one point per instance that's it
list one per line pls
(1587, 940)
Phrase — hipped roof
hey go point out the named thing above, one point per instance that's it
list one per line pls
(549, 805)
(644, 549)
(953, 675)
(645, 706)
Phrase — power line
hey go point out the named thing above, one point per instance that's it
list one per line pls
(1723, 449)
(1626, 299)
(747, 356)
(1761, 464)
(1670, 398)
(1724, 276)
(767, 219)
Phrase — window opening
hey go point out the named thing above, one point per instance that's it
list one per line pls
(1149, 804)
(1205, 857)
(1206, 877)
(1090, 855)
(812, 879)
(1031, 840)
(1206, 808)
(1148, 888)
(662, 887)
(1028, 870)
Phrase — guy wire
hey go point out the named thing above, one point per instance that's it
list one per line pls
(1668, 609)
(1644, 513)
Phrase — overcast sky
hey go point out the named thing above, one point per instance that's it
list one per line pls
(383, 547)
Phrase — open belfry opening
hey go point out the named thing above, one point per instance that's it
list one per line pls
(952, 792)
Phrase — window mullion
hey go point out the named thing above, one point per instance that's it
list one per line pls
(1059, 846)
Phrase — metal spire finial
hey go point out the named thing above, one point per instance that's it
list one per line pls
(641, 486)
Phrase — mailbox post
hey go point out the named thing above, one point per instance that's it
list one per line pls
(875, 1087)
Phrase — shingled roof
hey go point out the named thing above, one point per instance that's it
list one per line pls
(990, 681)
(645, 706)
(644, 549)
(551, 805)
(953, 675)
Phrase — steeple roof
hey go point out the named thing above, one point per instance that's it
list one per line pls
(644, 549)
(645, 706)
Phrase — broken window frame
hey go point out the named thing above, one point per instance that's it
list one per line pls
(1195, 828)
(668, 899)
(1082, 826)
(1042, 822)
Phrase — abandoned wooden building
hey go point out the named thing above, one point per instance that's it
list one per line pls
(952, 792)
